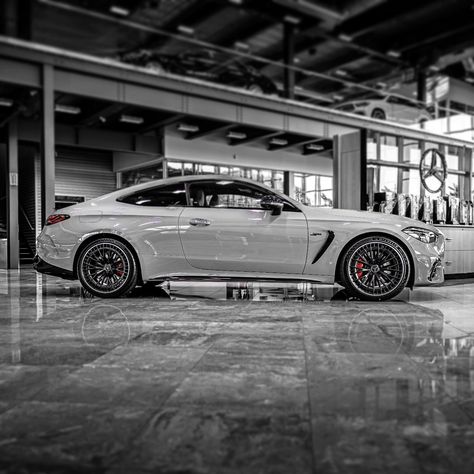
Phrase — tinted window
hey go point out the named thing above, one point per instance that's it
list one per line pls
(229, 194)
(163, 196)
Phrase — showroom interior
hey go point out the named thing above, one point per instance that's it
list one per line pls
(361, 105)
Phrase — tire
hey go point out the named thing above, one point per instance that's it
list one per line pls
(378, 114)
(375, 268)
(107, 268)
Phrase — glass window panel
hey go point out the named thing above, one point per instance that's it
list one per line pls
(388, 179)
(163, 196)
(326, 190)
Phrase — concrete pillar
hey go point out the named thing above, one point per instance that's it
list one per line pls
(13, 258)
(47, 144)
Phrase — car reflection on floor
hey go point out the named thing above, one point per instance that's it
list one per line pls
(273, 379)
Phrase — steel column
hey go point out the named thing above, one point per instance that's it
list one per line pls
(47, 143)
(13, 259)
(289, 57)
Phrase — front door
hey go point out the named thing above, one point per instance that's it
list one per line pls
(225, 229)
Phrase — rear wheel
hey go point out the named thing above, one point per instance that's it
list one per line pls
(107, 268)
(375, 268)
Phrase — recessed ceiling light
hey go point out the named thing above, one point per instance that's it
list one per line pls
(434, 68)
(382, 85)
(186, 30)
(236, 135)
(184, 127)
(314, 146)
(279, 141)
(393, 53)
(345, 37)
(67, 109)
(241, 45)
(236, 2)
(341, 72)
(6, 102)
(131, 119)
(293, 20)
(469, 79)
(118, 10)
(337, 97)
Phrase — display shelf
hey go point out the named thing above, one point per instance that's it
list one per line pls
(459, 248)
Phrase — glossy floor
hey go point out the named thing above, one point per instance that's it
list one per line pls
(308, 384)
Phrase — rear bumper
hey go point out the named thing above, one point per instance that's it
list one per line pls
(44, 267)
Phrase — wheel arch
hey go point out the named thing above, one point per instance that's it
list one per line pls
(411, 277)
(101, 235)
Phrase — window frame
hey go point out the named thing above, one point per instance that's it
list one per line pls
(122, 199)
(288, 207)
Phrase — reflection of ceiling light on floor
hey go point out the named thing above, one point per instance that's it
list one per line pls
(236, 135)
(67, 109)
(117, 10)
(131, 119)
(314, 146)
(186, 30)
(184, 127)
(279, 141)
(6, 102)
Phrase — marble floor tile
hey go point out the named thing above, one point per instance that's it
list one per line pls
(148, 384)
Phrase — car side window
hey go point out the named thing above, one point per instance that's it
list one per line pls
(229, 194)
(163, 196)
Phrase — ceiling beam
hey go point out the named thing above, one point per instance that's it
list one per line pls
(296, 142)
(104, 112)
(162, 122)
(252, 137)
(209, 130)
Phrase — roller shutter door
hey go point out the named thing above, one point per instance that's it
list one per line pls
(87, 173)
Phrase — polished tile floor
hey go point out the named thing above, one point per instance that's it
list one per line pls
(197, 383)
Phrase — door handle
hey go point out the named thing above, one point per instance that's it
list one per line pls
(200, 222)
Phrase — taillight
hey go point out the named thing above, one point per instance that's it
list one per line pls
(56, 218)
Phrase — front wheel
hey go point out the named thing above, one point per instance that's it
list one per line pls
(375, 268)
(106, 268)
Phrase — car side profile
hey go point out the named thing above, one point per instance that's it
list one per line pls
(221, 227)
(207, 65)
(387, 107)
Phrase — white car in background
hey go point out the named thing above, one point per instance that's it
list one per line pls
(221, 228)
(387, 107)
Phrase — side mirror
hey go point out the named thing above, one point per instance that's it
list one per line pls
(272, 203)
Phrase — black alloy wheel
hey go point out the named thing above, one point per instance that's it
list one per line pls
(106, 268)
(375, 268)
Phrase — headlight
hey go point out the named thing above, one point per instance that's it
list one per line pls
(423, 235)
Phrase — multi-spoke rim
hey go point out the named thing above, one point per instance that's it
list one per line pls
(376, 267)
(105, 267)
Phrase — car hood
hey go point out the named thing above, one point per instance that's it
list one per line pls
(373, 218)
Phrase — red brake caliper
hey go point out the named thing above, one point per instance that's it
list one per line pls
(119, 269)
(359, 266)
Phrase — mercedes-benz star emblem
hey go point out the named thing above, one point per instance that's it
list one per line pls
(433, 170)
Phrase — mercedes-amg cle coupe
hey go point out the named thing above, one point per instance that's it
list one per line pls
(222, 228)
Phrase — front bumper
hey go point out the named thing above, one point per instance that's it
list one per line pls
(44, 267)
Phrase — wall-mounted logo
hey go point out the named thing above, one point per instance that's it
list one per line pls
(433, 170)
